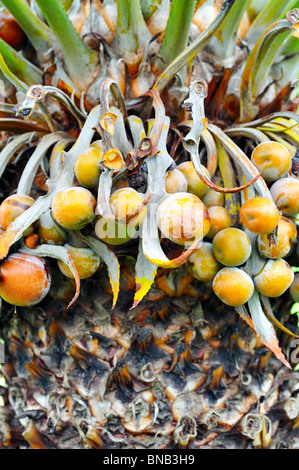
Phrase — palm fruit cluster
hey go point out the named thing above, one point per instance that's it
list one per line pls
(149, 225)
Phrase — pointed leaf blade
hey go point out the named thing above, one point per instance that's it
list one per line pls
(264, 328)
(111, 261)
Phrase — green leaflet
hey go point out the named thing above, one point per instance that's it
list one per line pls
(258, 66)
(177, 31)
(81, 62)
(20, 67)
(223, 43)
(271, 12)
(20, 86)
(38, 32)
(191, 51)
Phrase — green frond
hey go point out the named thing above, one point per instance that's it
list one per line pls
(81, 63)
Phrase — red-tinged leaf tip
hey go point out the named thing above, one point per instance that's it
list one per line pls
(264, 329)
(273, 345)
(159, 117)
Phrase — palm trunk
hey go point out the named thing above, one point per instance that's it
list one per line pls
(94, 365)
